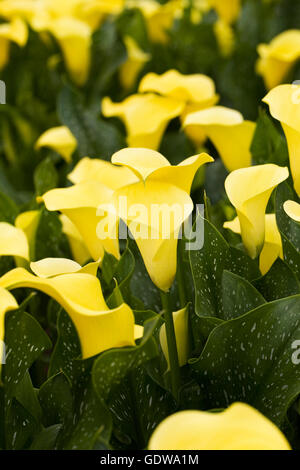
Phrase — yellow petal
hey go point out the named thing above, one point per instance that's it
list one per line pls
(228, 10)
(112, 176)
(15, 31)
(240, 427)
(181, 325)
(136, 60)
(28, 222)
(79, 250)
(50, 267)
(284, 105)
(81, 296)
(13, 241)
(225, 37)
(230, 134)
(141, 161)
(154, 213)
(196, 88)
(249, 190)
(7, 303)
(292, 209)
(145, 117)
(278, 57)
(60, 139)
(80, 203)
(74, 38)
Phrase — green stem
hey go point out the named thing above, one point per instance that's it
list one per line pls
(171, 342)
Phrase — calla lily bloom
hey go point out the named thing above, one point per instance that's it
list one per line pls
(80, 294)
(136, 60)
(181, 326)
(112, 176)
(239, 427)
(7, 303)
(272, 248)
(79, 251)
(145, 117)
(80, 203)
(28, 222)
(60, 139)
(16, 32)
(249, 190)
(284, 103)
(228, 131)
(156, 207)
(13, 241)
(74, 37)
(277, 58)
(292, 209)
(228, 10)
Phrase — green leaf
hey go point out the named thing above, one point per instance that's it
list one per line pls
(239, 296)
(46, 439)
(50, 241)
(8, 209)
(45, 177)
(250, 359)
(279, 282)
(56, 400)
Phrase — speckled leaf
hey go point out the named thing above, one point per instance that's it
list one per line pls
(46, 439)
(239, 296)
(20, 427)
(50, 241)
(250, 359)
(278, 283)
(56, 400)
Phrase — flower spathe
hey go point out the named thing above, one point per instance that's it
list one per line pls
(16, 31)
(228, 10)
(278, 57)
(284, 104)
(249, 190)
(136, 59)
(239, 427)
(79, 251)
(13, 241)
(272, 248)
(228, 131)
(145, 117)
(60, 139)
(167, 189)
(181, 328)
(292, 209)
(80, 294)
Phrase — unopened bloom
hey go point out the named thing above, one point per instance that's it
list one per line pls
(60, 139)
(272, 248)
(145, 117)
(181, 327)
(249, 190)
(284, 103)
(80, 294)
(228, 131)
(277, 58)
(239, 427)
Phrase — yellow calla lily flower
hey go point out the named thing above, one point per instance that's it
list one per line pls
(145, 117)
(284, 106)
(16, 32)
(136, 60)
(228, 10)
(79, 251)
(74, 38)
(104, 172)
(181, 327)
(272, 248)
(230, 134)
(156, 207)
(277, 58)
(239, 427)
(50, 267)
(80, 203)
(80, 294)
(292, 209)
(60, 139)
(28, 222)
(7, 303)
(13, 241)
(249, 190)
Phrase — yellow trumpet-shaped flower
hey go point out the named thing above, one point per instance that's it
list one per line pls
(74, 38)
(228, 10)
(7, 303)
(239, 427)
(60, 139)
(79, 251)
(80, 294)
(80, 203)
(145, 117)
(181, 326)
(136, 59)
(272, 248)
(284, 103)
(16, 32)
(156, 207)
(112, 176)
(13, 241)
(249, 190)
(228, 131)
(277, 58)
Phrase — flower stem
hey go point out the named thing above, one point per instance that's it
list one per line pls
(171, 342)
